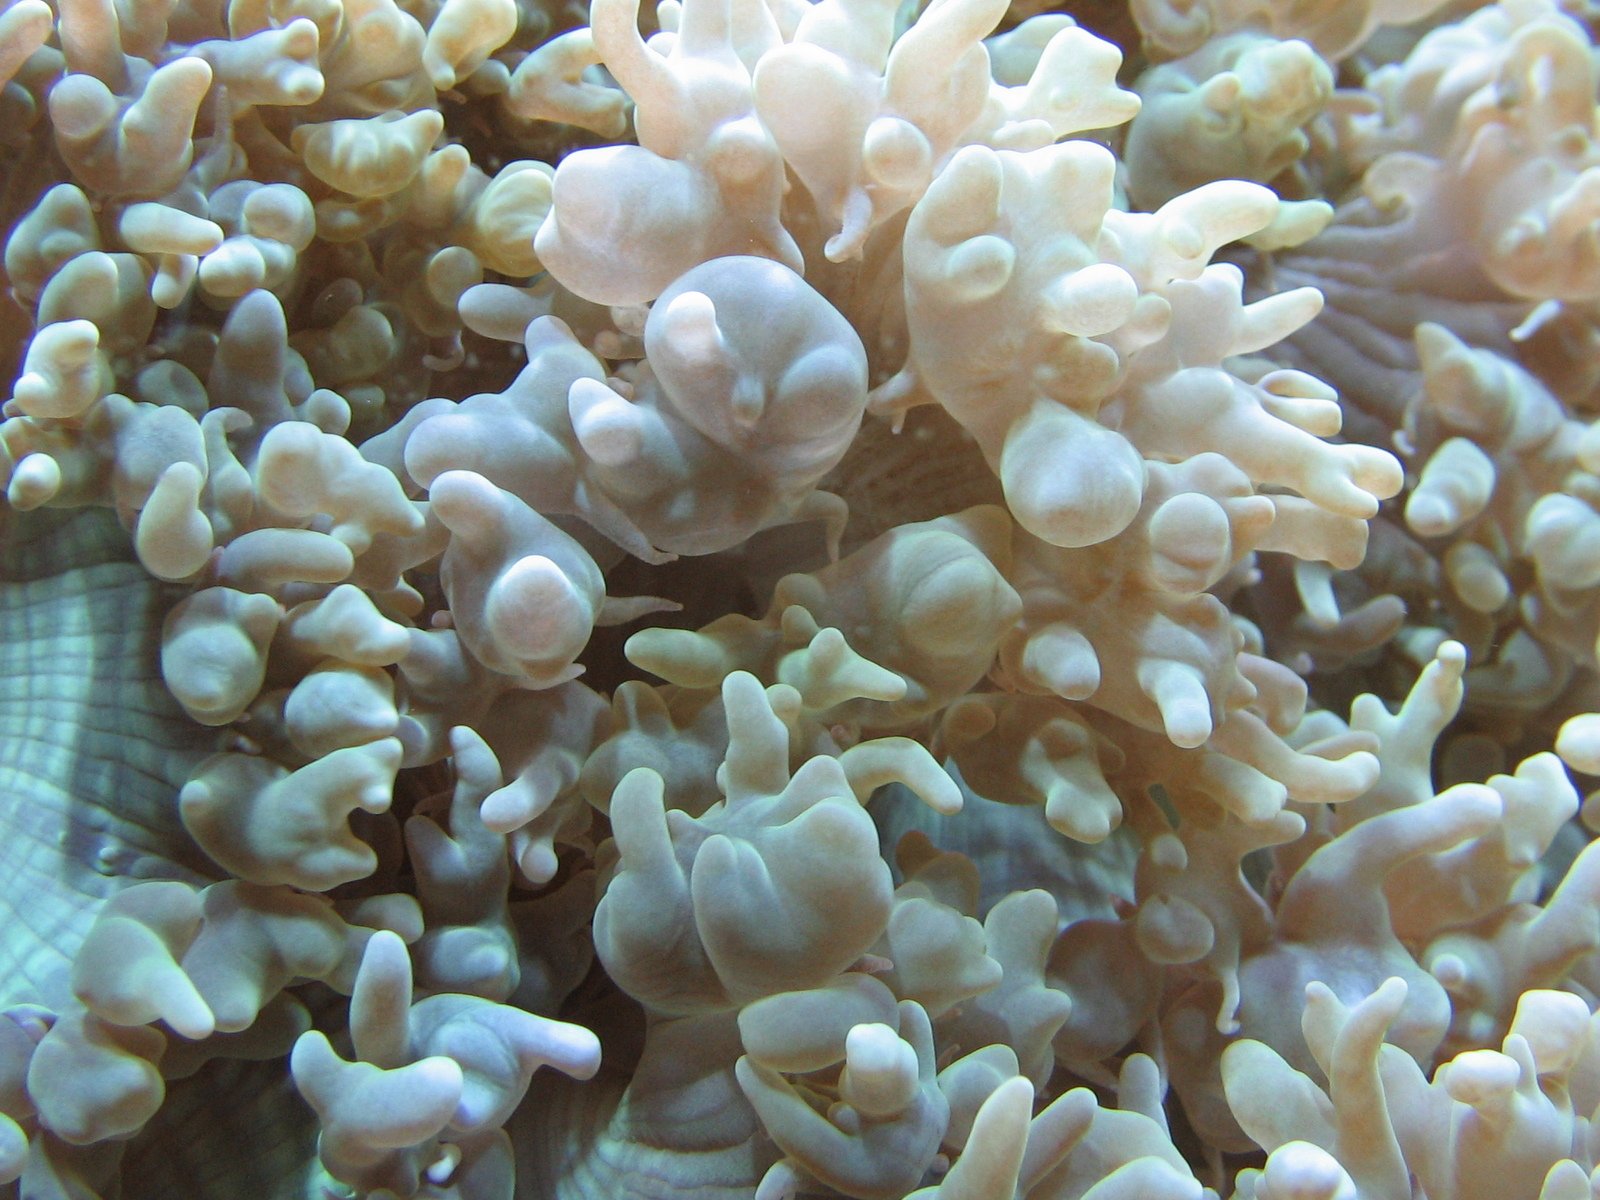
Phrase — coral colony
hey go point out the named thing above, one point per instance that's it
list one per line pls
(800, 598)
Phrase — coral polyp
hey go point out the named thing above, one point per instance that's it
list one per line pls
(783, 598)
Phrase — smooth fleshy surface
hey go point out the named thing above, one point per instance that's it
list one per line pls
(754, 600)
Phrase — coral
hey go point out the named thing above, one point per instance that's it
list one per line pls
(948, 601)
